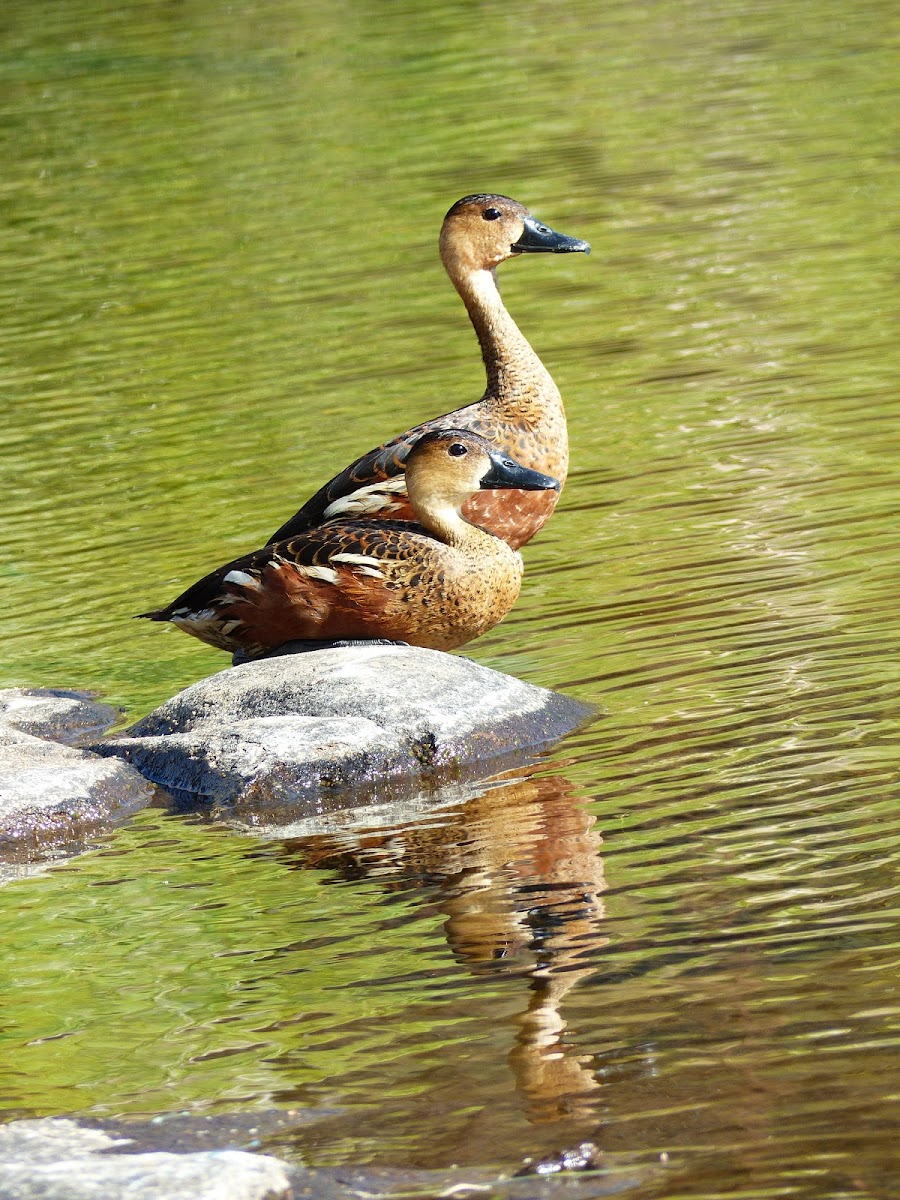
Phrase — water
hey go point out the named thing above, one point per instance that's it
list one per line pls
(220, 282)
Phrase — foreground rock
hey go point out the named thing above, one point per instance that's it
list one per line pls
(193, 1158)
(59, 1160)
(304, 729)
(53, 794)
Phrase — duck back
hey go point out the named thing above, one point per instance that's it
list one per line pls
(521, 410)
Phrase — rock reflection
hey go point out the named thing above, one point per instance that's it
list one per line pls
(517, 871)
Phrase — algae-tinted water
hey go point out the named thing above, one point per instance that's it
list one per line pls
(219, 282)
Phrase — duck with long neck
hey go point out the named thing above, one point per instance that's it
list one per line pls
(471, 254)
(521, 411)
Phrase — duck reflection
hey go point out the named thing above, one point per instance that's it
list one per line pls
(518, 873)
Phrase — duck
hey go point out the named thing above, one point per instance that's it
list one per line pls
(438, 581)
(521, 409)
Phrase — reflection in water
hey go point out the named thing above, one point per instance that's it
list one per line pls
(219, 282)
(519, 876)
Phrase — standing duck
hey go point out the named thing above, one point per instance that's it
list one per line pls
(438, 583)
(521, 409)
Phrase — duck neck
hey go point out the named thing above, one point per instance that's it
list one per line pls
(445, 522)
(511, 364)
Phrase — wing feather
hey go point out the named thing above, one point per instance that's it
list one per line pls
(370, 485)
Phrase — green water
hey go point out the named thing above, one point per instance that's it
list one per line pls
(219, 283)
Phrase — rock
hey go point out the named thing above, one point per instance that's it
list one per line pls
(344, 815)
(302, 729)
(170, 1158)
(60, 1160)
(54, 714)
(52, 794)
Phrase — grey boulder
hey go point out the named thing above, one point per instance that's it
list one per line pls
(53, 794)
(295, 732)
(60, 1160)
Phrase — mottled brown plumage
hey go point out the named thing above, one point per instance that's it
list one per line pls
(436, 583)
(520, 411)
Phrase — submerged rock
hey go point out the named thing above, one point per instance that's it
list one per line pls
(374, 719)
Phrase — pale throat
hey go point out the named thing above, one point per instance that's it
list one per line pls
(446, 522)
(508, 357)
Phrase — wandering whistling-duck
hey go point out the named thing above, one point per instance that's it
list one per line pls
(521, 410)
(438, 583)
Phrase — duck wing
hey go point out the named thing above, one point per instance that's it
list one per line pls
(374, 485)
(339, 555)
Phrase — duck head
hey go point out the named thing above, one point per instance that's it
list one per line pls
(447, 466)
(482, 231)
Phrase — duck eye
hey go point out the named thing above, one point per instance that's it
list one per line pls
(457, 450)
(492, 214)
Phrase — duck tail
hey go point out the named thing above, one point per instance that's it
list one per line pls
(156, 614)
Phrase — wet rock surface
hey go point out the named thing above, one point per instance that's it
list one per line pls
(314, 726)
(171, 1158)
(61, 1160)
(52, 794)
(55, 714)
